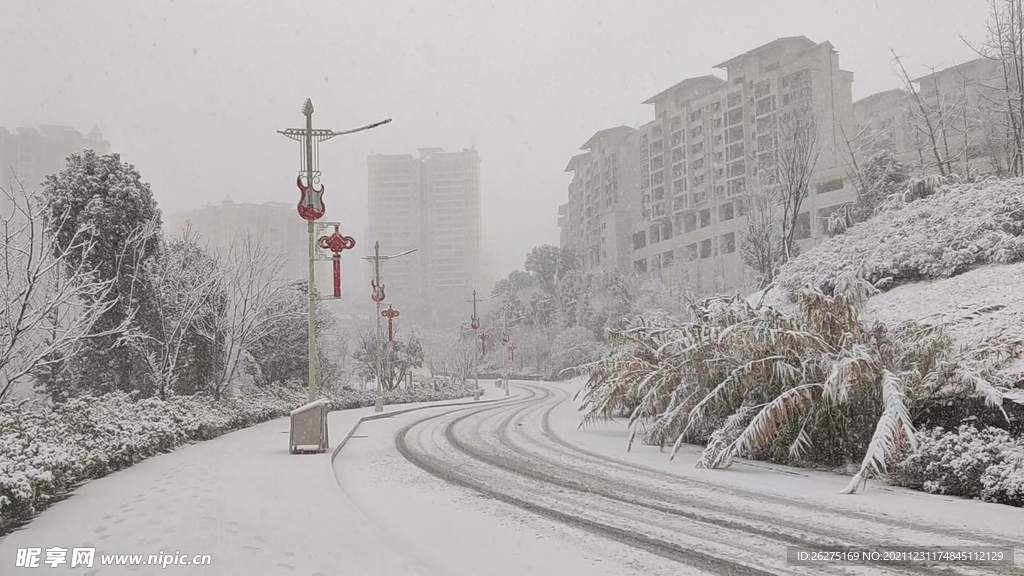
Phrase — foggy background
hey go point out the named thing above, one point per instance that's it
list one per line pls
(193, 92)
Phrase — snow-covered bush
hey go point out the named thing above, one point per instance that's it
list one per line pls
(958, 227)
(986, 464)
(952, 462)
(574, 347)
(1004, 481)
(46, 451)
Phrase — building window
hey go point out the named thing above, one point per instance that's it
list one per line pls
(735, 99)
(727, 243)
(803, 226)
(705, 218)
(677, 123)
(679, 203)
(654, 233)
(726, 212)
(690, 253)
(667, 259)
(734, 117)
(762, 89)
(705, 248)
(741, 208)
(640, 266)
(697, 148)
(639, 240)
(659, 193)
(830, 186)
(697, 164)
(679, 186)
(737, 186)
(666, 231)
(696, 132)
(689, 222)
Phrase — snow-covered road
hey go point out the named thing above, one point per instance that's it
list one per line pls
(651, 515)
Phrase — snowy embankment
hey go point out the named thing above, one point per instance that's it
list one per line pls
(823, 384)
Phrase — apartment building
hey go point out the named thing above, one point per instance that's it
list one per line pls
(30, 154)
(701, 156)
(882, 120)
(276, 225)
(603, 200)
(965, 105)
(430, 203)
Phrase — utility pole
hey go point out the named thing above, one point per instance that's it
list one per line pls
(504, 346)
(311, 208)
(378, 295)
(474, 323)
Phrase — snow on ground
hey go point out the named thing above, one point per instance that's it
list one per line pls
(817, 489)
(980, 303)
(956, 300)
(457, 532)
(241, 498)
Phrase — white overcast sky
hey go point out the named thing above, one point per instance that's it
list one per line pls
(191, 92)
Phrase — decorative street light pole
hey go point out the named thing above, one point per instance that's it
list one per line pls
(377, 295)
(474, 324)
(311, 208)
(505, 342)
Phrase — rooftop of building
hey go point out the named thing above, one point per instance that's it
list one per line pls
(606, 133)
(873, 98)
(575, 160)
(797, 42)
(964, 67)
(715, 81)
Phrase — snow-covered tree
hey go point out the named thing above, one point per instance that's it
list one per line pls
(280, 353)
(53, 297)
(107, 199)
(397, 358)
(546, 263)
(257, 301)
(185, 289)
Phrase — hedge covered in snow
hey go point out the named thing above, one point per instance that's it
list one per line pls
(985, 464)
(959, 227)
(46, 451)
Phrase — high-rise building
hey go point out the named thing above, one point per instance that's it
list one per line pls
(275, 225)
(604, 200)
(29, 155)
(430, 203)
(701, 155)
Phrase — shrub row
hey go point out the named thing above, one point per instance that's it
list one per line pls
(45, 451)
(981, 463)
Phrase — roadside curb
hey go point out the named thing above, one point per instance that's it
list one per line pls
(370, 417)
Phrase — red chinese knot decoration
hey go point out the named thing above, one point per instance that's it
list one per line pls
(512, 352)
(390, 314)
(311, 201)
(336, 243)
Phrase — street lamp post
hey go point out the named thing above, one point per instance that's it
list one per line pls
(377, 295)
(474, 323)
(311, 208)
(505, 343)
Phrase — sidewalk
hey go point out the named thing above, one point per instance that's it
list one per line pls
(241, 498)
